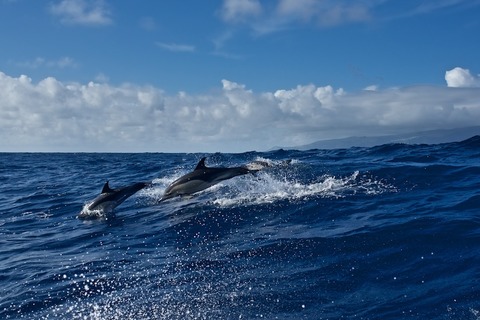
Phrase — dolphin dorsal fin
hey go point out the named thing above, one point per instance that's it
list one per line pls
(106, 188)
(201, 164)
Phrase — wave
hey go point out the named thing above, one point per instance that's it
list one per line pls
(368, 233)
(279, 181)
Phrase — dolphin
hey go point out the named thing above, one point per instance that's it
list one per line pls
(109, 198)
(202, 178)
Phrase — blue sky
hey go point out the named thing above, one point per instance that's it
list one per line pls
(232, 75)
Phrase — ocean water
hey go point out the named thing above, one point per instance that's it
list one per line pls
(390, 232)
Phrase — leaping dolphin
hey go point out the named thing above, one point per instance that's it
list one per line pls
(109, 198)
(202, 178)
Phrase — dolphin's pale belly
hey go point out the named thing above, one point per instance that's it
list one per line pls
(108, 202)
(106, 206)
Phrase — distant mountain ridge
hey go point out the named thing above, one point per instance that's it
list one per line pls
(422, 137)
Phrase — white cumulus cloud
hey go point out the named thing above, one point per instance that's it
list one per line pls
(51, 115)
(459, 77)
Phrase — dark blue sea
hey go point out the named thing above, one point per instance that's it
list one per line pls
(389, 232)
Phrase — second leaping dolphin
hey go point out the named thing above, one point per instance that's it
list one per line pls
(109, 199)
(202, 178)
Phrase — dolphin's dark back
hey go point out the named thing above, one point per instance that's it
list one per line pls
(110, 198)
(137, 186)
(237, 170)
(201, 178)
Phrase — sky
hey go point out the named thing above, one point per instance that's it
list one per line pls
(232, 75)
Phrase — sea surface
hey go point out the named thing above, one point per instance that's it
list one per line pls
(389, 232)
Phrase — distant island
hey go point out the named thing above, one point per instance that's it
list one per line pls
(422, 137)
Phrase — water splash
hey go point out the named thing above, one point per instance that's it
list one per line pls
(87, 214)
(271, 186)
(268, 188)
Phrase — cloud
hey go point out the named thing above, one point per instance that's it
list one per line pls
(426, 7)
(40, 62)
(176, 47)
(324, 13)
(459, 77)
(265, 17)
(234, 11)
(416, 8)
(51, 115)
(82, 12)
(272, 17)
(372, 87)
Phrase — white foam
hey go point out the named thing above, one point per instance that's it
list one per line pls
(88, 214)
(267, 188)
